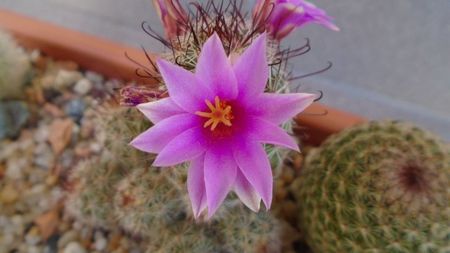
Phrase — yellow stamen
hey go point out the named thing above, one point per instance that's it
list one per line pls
(220, 112)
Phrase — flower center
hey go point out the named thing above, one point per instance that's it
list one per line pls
(220, 112)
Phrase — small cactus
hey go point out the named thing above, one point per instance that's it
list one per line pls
(14, 68)
(149, 198)
(378, 187)
(121, 188)
(93, 182)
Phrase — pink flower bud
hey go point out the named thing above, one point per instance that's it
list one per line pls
(172, 15)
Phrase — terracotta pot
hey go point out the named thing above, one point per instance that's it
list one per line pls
(108, 58)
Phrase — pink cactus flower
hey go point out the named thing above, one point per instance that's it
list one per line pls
(280, 17)
(172, 16)
(218, 119)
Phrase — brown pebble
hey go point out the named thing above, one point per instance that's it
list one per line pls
(41, 62)
(60, 134)
(48, 222)
(51, 180)
(53, 110)
(82, 150)
(68, 65)
(114, 242)
(9, 194)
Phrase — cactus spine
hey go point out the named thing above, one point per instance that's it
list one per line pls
(379, 187)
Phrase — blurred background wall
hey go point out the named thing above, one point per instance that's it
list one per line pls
(391, 59)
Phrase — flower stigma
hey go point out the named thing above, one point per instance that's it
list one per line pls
(220, 112)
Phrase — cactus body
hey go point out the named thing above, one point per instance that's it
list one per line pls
(14, 68)
(379, 187)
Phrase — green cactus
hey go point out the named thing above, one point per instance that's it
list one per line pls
(14, 68)
(149, 198)
(234, 230)
(153, 203)
(93, 181)
(378, 187)
(121, 188)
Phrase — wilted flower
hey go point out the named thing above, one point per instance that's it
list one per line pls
(218, 119)
(132, 95)
(280, 17)
(172, 16)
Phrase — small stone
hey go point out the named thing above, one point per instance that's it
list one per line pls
(44, 157)
(52, 244)
(83, 86)
(82, 150)
(13, 116)
(33, 237)
(67, 65)
(34, 55)
(34, 249)
(42, 133)
(9, 194)
(47, 223)
(87, 129)
(53, 110)
(75, 109)
(66, 78)
(74, 247)
(94, 77)
(51, 180)
(60, 134)
(67, 237)
(100, 243)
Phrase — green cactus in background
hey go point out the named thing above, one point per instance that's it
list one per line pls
(378, 187)
(14, 68)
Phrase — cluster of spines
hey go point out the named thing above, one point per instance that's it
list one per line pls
(379, 187)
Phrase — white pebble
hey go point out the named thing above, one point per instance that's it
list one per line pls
(66, 78)
(100, 243)
(83, 86)
(74, 247)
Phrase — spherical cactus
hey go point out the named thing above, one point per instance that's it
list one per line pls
(153, 203)
(116, 128)
(378, 187)
(234, 230)
(14, 68)
(93, 185)
(150, 198)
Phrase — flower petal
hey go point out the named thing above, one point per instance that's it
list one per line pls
(220, 175)
(267, 132)
(196, 185)
(159, 109)
(253, 162)
(278, 108)
(184, 88)
(246, 192)
(186, 146)
(251, 69)
(214, 68)
(157, 137)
